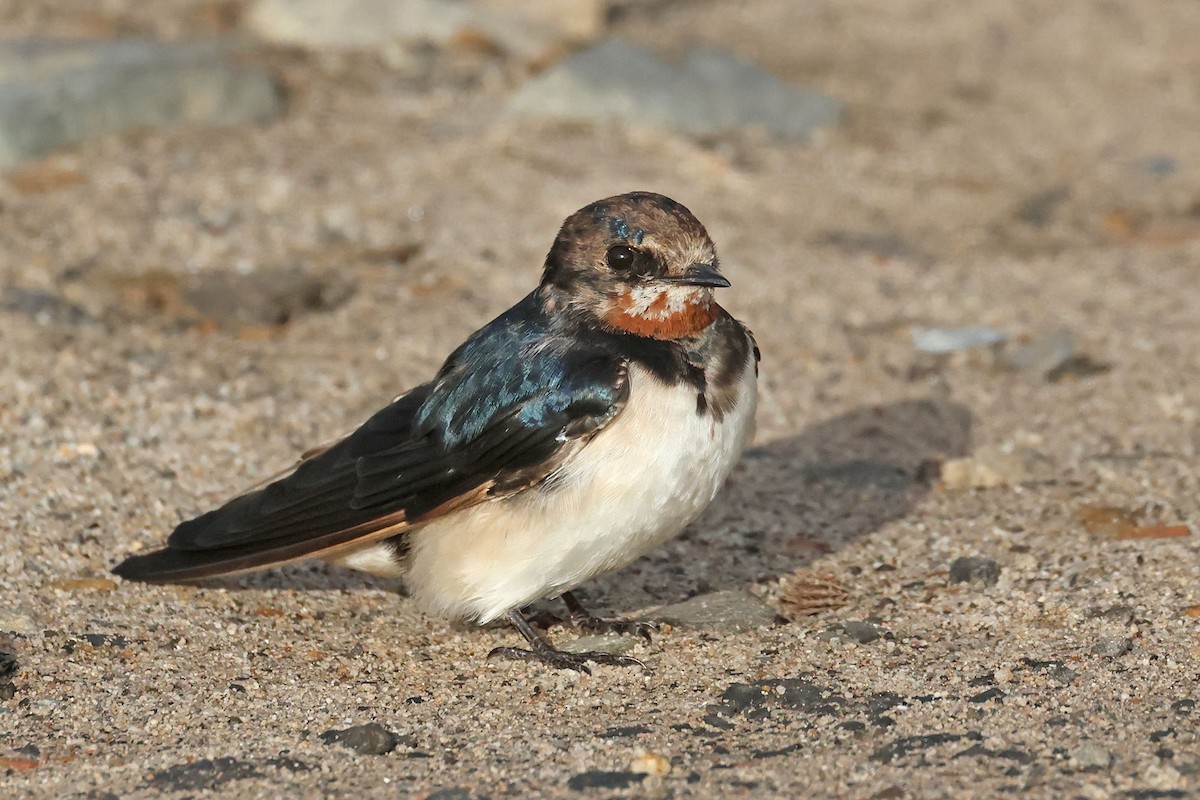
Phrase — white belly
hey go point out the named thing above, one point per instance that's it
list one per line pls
(639, 482)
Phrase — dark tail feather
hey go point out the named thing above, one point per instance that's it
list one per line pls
(169, 566)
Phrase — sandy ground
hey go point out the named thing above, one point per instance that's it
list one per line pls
(1027, 166)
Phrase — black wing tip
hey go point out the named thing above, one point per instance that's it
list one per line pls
(162, 566)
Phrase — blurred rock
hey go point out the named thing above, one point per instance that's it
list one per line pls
(950, 340)
(59, 92)
(1044, 354)
(1091, 756)
(857, 630)
(710, 92)
(41, 306)
(356, 23)
(1038, 210)
(650, 763)
(1112, 646)
(530, 32)
(604, 779)
(1162, 165)
(17, 620)
(992, 467)
(974, 569)
(722, 611)
(1055, 356)
(371, 739)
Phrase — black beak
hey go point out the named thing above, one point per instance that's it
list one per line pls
(700, 275)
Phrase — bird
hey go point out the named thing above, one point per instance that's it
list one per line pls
(587, 424)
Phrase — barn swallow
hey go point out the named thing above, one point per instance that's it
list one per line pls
(584, 426)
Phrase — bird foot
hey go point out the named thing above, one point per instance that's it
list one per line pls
(582, 619)
(561, 659)
(589, 624)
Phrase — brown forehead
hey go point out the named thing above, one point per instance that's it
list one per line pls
(639, 217)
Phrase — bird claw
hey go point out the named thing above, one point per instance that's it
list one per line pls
(590, 624)
(561, 659)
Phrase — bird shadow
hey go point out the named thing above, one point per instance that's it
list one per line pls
(788, 503)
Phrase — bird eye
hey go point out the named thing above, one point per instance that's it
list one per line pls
(621, 257)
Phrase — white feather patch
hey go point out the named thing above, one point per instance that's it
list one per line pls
(664, 302)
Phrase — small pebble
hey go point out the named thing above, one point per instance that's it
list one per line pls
(861, 632)
(1112, 646)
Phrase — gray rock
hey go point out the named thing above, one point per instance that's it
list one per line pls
(861, 632)
(729, 611)
(1112, 646)
(386, 26)
(371, 739)
(602, 643)
(709, 92)
(1044, 355)
(59, 92)
(974, 569)
(1091, 756)
(950, 340)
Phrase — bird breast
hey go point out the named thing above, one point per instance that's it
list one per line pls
(636, 484)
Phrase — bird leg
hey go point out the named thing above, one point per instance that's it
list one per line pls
(540, 649)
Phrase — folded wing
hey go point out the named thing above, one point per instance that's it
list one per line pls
(484, 429)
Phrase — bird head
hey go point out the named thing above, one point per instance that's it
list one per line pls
(636, 263)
